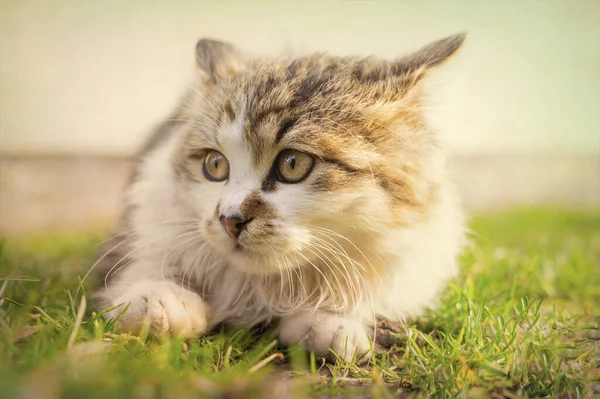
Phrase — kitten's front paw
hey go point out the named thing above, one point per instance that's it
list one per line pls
(322, 331)
(168, 308)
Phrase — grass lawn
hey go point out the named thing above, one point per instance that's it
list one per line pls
(522, 319)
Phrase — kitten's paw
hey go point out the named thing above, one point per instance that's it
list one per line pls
(168, 308)
(322, 331)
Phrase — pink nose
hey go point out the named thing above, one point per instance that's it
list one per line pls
(234, 226)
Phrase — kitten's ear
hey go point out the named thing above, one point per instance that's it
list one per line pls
(432, 55)
(409, 70)
(218, 61)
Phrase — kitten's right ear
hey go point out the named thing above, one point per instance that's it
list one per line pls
(218, 61)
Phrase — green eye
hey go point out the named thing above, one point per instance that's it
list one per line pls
(293, 166)
(215, 166)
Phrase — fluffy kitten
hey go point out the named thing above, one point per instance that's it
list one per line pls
(310, 192)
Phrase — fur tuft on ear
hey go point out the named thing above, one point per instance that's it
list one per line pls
(218, 60)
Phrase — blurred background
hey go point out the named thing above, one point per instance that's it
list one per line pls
(83, 82)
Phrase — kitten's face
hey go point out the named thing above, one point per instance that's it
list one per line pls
(289, 163)
(294, 194)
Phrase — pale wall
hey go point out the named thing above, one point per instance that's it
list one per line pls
(91, 76)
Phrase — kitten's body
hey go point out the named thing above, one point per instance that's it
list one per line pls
(373, 229)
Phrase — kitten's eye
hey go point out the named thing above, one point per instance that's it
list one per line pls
(293, 166)
(215, 166)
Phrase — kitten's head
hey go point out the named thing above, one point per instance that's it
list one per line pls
(302, 161)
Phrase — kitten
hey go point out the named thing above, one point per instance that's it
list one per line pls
(309, 191)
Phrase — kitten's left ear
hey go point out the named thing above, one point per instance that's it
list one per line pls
(432, 55)
(409, 70)
(218, 61)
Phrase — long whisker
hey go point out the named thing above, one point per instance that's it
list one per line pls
(339, 255)
(189, 236)
(345, 276)
(324, 231)
(356, 293)
(298, 274)
(331, 291)
(126, 256)
(206, 253)
(280, 271)
(208, 266)
(87, 274)
(191, 265)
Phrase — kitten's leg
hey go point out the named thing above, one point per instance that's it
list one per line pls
(168, 308)
(321, 331)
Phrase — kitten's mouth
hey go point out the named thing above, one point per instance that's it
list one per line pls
(240, 248)
(245, 254)
(250, 259)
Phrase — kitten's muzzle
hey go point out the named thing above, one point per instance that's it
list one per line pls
(234, 225)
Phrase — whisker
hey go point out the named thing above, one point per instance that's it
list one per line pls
(108, 252)
(191, 265)
(208, 266)
(324, 231)
(331, 291)
(356, 293)
(190, 236)
(344, 275)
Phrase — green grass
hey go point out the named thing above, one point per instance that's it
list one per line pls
(522, 319)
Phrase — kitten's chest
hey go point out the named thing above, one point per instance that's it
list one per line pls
(235, 297)
(244, 299)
